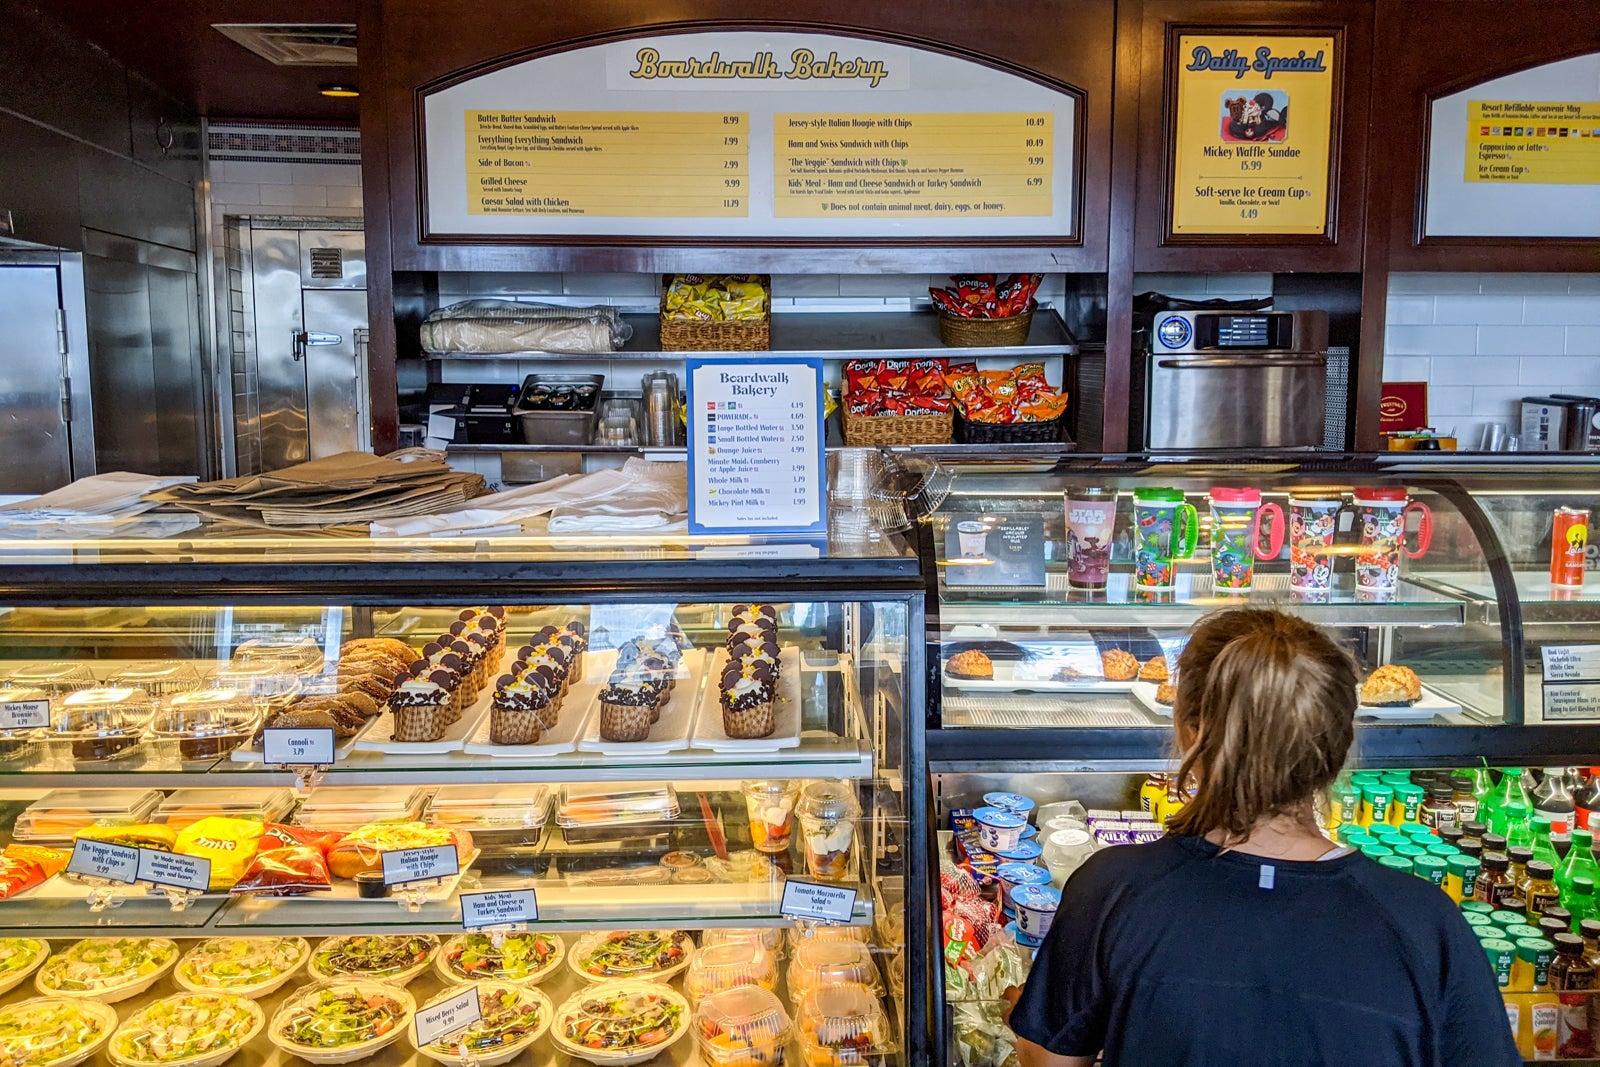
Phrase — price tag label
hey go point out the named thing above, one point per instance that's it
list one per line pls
(445, 1017)
(1571, 663)
(312, 748)
(420, 864)
(499, 908)
(102, 859)
(24, 714)
(173, 871)
(808, 900)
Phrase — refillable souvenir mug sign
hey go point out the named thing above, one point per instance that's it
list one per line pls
(1383, 515)
(1165, 530)
(1236, 527)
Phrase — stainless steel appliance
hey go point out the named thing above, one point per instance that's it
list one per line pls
(1236, 379)
(46, 436)
(310, 305)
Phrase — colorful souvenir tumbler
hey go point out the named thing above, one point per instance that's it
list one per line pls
(1091, 518)
(1236, 516)
(1313, 522)
(1382, 514)
(1165, 530)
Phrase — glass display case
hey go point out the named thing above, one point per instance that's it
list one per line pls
(655, 740)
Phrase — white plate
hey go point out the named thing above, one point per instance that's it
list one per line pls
(570, 725)
(1005, 680)
(260, 989)
(618, 1059)
(113, 994)
(441, 963)
(1424, 710)
(349, 1053)
(671, 732)
(399, 981)
(379, 737)
(210, 1059)
(588, 942)
(708, 729)
(105, 1016)
(506, 1053)
(16, 978)
(1145, 694)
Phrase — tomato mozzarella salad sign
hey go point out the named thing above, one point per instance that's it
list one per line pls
(742, 134)
(504, 907)
(1571, 683)
(1253, 134)
(298, 748)
(24, 714)
(809, 900)
(445, 1017)
(434, 863)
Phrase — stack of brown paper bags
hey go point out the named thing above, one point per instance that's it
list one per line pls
(349, 488)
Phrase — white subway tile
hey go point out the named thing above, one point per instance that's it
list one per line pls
(792, 285)
(1477, 309)
(1581, 309)
(344, 196)
(325, 174)
(294, 195)
(605, 285)
(1530, 284)
(883, 285)
(1583, 283)
(1476, 370)
(1498, 402)
(1430, 340)
(1583, 341)
(1520, 340)
(1431, 283)
(1456, 399)
(240, 170)
(1409, 310)
(229, 194)
(494, 283)
(1560, 373)
(1405, 368)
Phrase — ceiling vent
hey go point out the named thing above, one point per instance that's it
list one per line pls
(288, 45)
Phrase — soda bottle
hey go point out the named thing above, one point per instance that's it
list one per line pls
(1517, 823)
(1588, 799)
(1554, 799)
(1507, 792)
(1580, 863)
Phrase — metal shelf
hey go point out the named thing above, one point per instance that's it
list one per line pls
(828, 335)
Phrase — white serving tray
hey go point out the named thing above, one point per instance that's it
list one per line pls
(708, 731)
(671, 732)
(574, 720)
(1423, 710)
(1145, 694)
(379, 737)
(1005, 680)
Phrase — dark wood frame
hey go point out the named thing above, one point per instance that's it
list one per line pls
(1169, 118)
(1079, 138)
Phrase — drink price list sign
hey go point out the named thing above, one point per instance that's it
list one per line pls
(1252, 134)
(909, 165)
(755, 446)
(1533, 142)
(664, 164)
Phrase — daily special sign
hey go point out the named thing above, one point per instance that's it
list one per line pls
(748, 135)
(1253, 134)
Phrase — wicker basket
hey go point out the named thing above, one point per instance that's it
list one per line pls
(958, 332)
(738, 335)
(968, 432)
(876, 431)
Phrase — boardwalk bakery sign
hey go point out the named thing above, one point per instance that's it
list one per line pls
(802, 65)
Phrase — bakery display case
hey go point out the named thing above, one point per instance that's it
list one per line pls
(256, 796)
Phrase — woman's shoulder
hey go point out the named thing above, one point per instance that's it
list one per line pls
(1136, 865)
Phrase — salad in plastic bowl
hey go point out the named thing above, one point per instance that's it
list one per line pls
(191, 1029)
(392, 958)
(248, 966)
(617, 1023)
(18, 957)
(523, 958)
(53, 1032)
(341, 1022)
(656, 955)
(514, 1017)
(108, 969)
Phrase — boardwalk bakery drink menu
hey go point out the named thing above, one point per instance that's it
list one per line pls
(755, 445)
(1253, 133)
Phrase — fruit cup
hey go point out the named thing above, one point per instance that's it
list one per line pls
(828, 812)
(771, 807)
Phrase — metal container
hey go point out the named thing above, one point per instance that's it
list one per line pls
(558, 426)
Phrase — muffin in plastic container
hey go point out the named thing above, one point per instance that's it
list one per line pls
(99, 724)
(57, 679)
(821, 963)
(828, 811)
(730, 966)
(205, 724)
(742, 1027)
(843, 1026)
(159, 678)
(768, 937)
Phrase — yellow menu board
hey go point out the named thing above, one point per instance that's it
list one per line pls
(1533, 142)
(912, 165)
(1254, 128)
(638, 164)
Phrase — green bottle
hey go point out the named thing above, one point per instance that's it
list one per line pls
(1508, 791)
(1580, 862)
(1580, 900)
(1517, 819)
(1541, 845)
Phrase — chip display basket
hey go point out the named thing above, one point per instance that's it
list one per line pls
(878, 431)
(969, 432)
(958, 332)
(736, 335)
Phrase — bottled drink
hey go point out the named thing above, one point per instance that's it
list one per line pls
(1580, 862)
(1554, 799)
(1541, 893)
(1588, 798)
(1515, 822)
(1542, 847)
(1471, 787)
(1520, 857)
(1580, 900)
(1507, 791)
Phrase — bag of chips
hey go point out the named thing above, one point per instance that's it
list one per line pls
(228, 843)
(286, 872)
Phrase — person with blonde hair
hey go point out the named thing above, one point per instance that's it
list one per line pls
(1244, 936)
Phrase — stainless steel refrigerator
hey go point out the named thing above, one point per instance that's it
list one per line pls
(47, 433)
(309, 289)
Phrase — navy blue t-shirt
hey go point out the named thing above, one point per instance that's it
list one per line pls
(1174, 954)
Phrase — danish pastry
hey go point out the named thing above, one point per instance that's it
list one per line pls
(970, 664)
(1119, 666)
(1391, 686)
(1154, 670)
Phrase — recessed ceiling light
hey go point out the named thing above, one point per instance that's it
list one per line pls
(338, 89)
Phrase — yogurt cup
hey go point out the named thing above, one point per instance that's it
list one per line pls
(1015, 803)
(1036, 908)
(1021, 938)
(1026, 851)
(1014, 873)
(998, 831)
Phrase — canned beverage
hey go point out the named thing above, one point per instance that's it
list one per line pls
(1569, 541)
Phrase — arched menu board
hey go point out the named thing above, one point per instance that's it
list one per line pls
(751, 136)
(1518, 156)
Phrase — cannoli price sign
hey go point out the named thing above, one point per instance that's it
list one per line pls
(1253, 134)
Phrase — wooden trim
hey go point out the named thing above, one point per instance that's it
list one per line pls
(383, 384)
